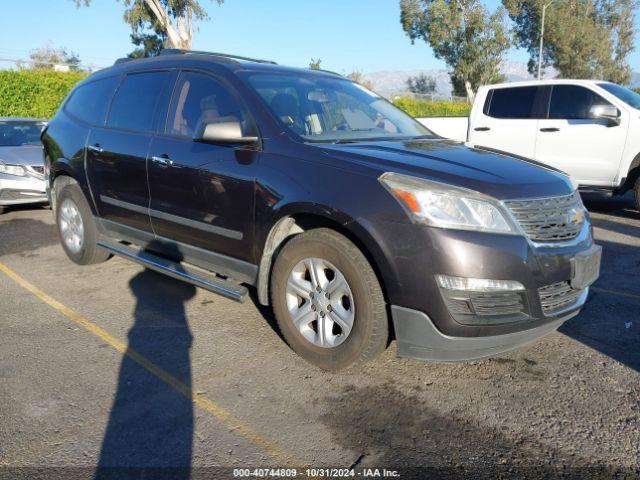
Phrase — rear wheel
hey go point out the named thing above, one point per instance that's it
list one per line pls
(328, 301)
(636, 190)
(77, 227)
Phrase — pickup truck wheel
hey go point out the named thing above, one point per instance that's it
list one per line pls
(636, 190)
(328, 301)
(77, 227)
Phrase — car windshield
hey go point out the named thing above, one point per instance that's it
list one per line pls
(326, 109)
(629, 97)
(15, 134)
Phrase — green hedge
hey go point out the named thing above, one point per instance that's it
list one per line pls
(38, 93)
(34, 93)
(426, 108)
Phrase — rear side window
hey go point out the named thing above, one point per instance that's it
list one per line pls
(511, 102)
(90, 101)
(572, 102)
(134, 106)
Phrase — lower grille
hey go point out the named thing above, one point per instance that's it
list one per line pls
(497, 303)
(484, 308)
(557, 297)
(552, 219)
(20, 194)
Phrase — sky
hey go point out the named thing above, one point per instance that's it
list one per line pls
(348, 35)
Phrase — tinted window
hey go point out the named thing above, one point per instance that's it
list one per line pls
(627, 96)
(572, 102)
(14, 134)
(90, 101)
(198, 100)
(512, 102)
(135, 103)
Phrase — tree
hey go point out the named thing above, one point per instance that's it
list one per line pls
(48, 56)
(582, 39)
(314, 64)
(359, 78)
(421, 84)
(464, 34)
(149, 44)
(174, 18)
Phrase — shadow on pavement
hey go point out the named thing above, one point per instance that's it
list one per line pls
(24, 235)
(610, 323)
(150, 428)
(620, 206)
(398, 429)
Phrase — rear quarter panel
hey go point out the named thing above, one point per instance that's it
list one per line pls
(64, 143)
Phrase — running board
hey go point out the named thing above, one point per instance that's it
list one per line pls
(195, 276)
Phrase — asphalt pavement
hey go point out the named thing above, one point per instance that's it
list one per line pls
(117, 367)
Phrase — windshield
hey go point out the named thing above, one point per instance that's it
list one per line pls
(15, 134)
(629, 97)
(325, 109)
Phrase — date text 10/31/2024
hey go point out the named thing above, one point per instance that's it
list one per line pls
(316, 473)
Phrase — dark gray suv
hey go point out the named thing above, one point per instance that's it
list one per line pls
(355, 223)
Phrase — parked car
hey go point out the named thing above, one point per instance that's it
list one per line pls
(585, 128)
(21, 162)
(353, 221)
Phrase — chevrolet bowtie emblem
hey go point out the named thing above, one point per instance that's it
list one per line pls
(575, 216)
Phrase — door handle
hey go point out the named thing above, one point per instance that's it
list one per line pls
(482, 129)
(550, 129)
(163, 161)
(95, 148)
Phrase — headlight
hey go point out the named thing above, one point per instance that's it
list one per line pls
(446, 206)
(16, 170)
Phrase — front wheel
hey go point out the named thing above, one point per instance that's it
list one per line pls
(327, 300)
(636, 190)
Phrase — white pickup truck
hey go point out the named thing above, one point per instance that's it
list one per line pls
(588, 129)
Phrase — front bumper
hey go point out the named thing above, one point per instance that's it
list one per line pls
(20, 190)
(416, 254)
(417, 337)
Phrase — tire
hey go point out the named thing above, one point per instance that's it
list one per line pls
(361, 301)
(636, 191)
(72, 208)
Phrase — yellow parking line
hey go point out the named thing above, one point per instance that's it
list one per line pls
(615, 292)
(210, 406)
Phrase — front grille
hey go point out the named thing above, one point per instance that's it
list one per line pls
(557, 297)
(552, 219)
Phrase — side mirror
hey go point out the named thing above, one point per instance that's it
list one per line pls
(606, 112)
(229, 132)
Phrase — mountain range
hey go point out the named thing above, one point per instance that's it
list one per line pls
(390, 83)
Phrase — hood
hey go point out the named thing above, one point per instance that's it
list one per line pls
(498, 175)
(23, 155)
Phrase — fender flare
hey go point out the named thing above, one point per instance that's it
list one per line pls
(284, 226)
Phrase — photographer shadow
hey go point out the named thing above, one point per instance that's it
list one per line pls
(150, 429)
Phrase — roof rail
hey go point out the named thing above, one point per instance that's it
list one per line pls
(178, 51)
(124, 60)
